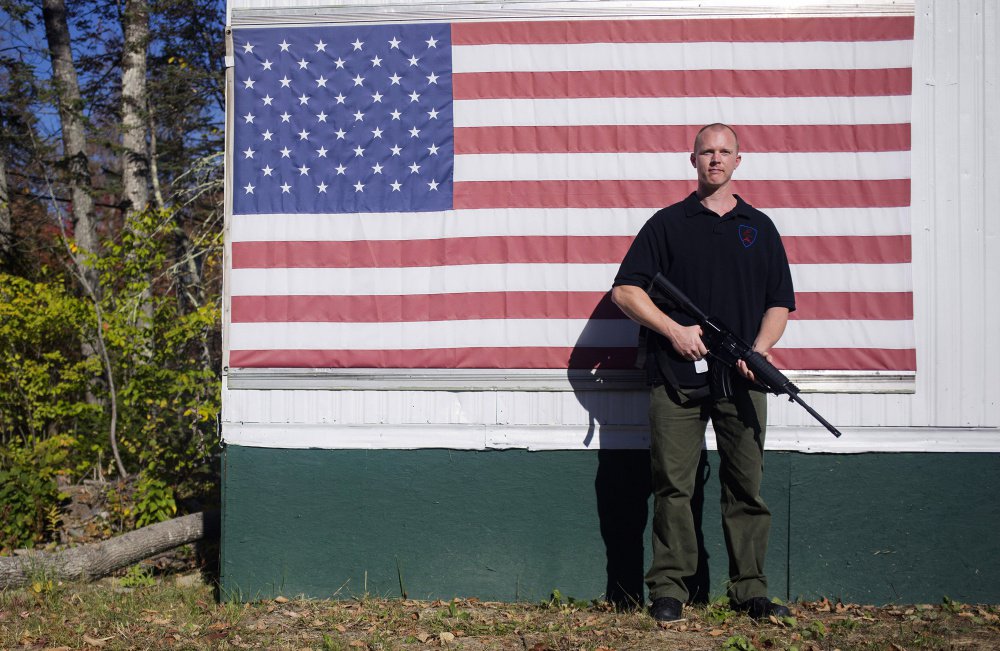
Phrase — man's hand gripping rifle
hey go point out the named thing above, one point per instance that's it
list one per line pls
(727, 348)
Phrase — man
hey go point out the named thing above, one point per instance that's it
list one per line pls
(728, 258)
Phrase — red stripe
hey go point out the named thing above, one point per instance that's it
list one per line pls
(798, 359)
(846, 359)
(430, 253)
(733, 30)
(617, 358)
(681, 83)
(679, 138)
(654, 194)
(888, 306)
(839, 249)
(893, 306)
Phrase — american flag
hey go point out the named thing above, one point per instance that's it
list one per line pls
(460, 195)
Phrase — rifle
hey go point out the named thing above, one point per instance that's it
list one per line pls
(726, 347)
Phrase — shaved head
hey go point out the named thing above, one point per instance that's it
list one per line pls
(715, 126)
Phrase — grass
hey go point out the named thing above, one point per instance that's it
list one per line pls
(131, 613)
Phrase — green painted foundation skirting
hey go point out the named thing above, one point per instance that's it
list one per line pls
(515, 525)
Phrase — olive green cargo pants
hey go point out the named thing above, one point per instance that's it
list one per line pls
(677, 433)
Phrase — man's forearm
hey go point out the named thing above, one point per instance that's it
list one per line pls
(772, 326)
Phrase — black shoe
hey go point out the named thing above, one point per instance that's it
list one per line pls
(762, 608)
(666, 609)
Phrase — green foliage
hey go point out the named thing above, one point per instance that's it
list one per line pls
(137, 577)
(154, 501)
(738, 643)
(718, 612)
(28, 489)
(816, 631)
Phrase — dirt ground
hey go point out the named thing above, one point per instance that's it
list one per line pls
(140, 612)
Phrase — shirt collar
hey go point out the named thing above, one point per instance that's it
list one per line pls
(693, 207)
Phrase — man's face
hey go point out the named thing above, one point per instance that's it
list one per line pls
(715, 157)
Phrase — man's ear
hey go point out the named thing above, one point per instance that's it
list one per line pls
(693, 160)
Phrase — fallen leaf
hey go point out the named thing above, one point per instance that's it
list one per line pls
(96, 641)
(281, 600)
(356, 643)
(716, 632)
(447, 637)
(57, 648)
(218, 626)
(341, 628)
(423, 637)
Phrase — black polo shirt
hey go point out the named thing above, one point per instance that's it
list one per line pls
(733, 267)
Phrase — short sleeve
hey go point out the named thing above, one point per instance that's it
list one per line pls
(643, 259)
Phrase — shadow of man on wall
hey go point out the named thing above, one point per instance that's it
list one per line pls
(608, 385)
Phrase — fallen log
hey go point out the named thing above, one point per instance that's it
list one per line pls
(95, 560)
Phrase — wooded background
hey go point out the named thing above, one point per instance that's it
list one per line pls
(111, 186)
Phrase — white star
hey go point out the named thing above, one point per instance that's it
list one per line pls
(266, 63)
(432, 114)
(413, 60)
(267, 134)
(396, 185)
(341, 169)
(303, 135)
(321, 82)
(267, 99)
(414, 132)
(321, 116)
(396, 149)
(432, 42)
(249, 189)
(359, 116)
(395, 114)
(321, 187)
(249, 118)
(285, 116)
(359, 187)
(304, 99)
(357, 44)
(286, 153)
(267, 170)
(248, 83)
(414, 168)
(432, 78)
(377, 132)
(377, 97)
(433, 149)
(321, 46)
(376, 62)
(358, 80)
(359, 151)
(395, 79)
(377, 168)
(414, 96)
(284, 45)
(433, 185)
(249, 153)
(247, 48)
(303, 64)
(285, 81)
(322, 152)
(285, 188)
(303, 170)
(340, 133)
(394, 43)
(340, 98)
(340, 62)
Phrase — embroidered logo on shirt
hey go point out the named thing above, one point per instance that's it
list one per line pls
(748, 235)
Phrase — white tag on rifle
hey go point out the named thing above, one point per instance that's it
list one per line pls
(700, 365)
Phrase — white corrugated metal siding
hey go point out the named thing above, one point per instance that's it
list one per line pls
(955, 221)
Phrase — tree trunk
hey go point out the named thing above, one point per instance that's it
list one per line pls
(89, 562)
(74, 139)
(6, 226)
(135, 155)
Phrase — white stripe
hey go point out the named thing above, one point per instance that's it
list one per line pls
(811, 55)
(538, 221)
(852, 277)
(681, 110)
(847, 334)
(538, 277)
(424, 280)
(612, 333)
(648, 166)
